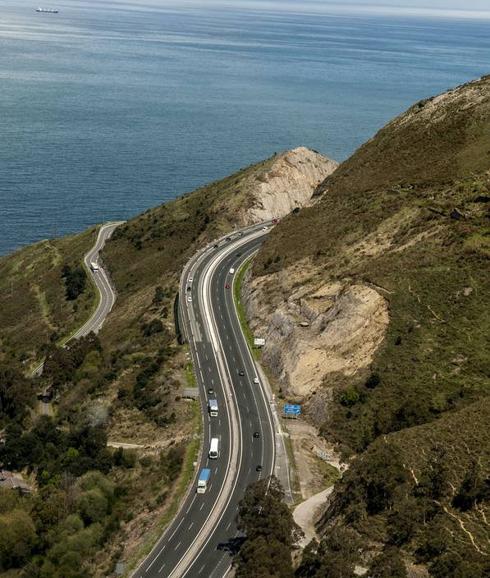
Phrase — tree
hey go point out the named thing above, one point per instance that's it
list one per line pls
(270, 532)
(159, 295)
(261, 556)
(17, 537)
(473, 489)
(75, 281)
(93, 506)
(16, 394)
(389, 564)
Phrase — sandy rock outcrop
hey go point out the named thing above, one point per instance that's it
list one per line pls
(316, 332)
(289, 182)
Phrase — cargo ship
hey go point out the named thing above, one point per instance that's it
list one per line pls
(47, 10)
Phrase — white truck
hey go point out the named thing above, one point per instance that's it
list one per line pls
(202, 482)
(94, 266)
(213, 407)
(214, 449)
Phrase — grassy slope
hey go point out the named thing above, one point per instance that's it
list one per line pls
(399, 190)
(147, 252)
(33, 295)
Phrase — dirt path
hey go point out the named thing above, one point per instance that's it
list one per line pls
(307, 514)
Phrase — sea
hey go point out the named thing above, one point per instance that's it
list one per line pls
(110, 107)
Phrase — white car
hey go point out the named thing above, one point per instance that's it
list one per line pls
(190, 279)
(256, 380)
(264, 228)
(189, 298)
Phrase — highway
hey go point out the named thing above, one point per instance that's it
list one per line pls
(198, 541)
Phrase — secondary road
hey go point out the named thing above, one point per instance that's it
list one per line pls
(100, 277)
(107, 296)
(199, 540)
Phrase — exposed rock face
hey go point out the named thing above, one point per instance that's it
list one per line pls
(317, 331)
(288, 183)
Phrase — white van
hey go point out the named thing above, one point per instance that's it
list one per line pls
(214, 449)
(94, 266)
(232, 271)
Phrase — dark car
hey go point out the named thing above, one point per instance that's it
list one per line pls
(256, 434)
(238, 254)
(227, 286)
(258, 468)
(241, 372)
(211, 391)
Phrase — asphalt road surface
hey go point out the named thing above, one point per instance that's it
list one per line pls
(200, 540)
(107, 296)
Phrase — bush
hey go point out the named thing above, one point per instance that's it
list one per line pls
(75, 281)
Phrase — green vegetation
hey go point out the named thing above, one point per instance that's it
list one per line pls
(242, 314)
(35, 309)
(270, 532)
(125, 385)
(75, 281)
(407, 215)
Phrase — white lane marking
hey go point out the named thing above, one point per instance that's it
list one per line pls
(190, 505)
(162, 567)
(177, 547)
(228, 527)
(202, 506)
(202, 568)
(190, 525)
(173, 533)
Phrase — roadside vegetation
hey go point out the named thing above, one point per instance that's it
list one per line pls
(45, 295)
(407, 215)
(92, 504)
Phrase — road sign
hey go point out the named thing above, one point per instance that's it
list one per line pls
(291, 409)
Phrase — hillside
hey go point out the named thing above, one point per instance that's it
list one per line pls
(35, 306)
(94, 505)
(375, 308)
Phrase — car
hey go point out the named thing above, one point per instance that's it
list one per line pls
(210, 391)
(190, 279)
(215, 246)
(256, 434)
(189, 288)
(258, 468)
(189, 298)
(274, 221)
(238, 255)
(227, 286)
(264, 228)
(241, 372)
(228, 239)
(256, 380)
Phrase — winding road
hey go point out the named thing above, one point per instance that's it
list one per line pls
(201, 538)
(107, 296)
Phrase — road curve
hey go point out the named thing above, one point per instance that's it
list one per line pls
(107, 297)
(200, 540)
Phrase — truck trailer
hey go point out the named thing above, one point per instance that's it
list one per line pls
(202, 482)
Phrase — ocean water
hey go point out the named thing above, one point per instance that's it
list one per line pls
(108, 108)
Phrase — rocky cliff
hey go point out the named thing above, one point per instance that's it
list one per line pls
(374, 303)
